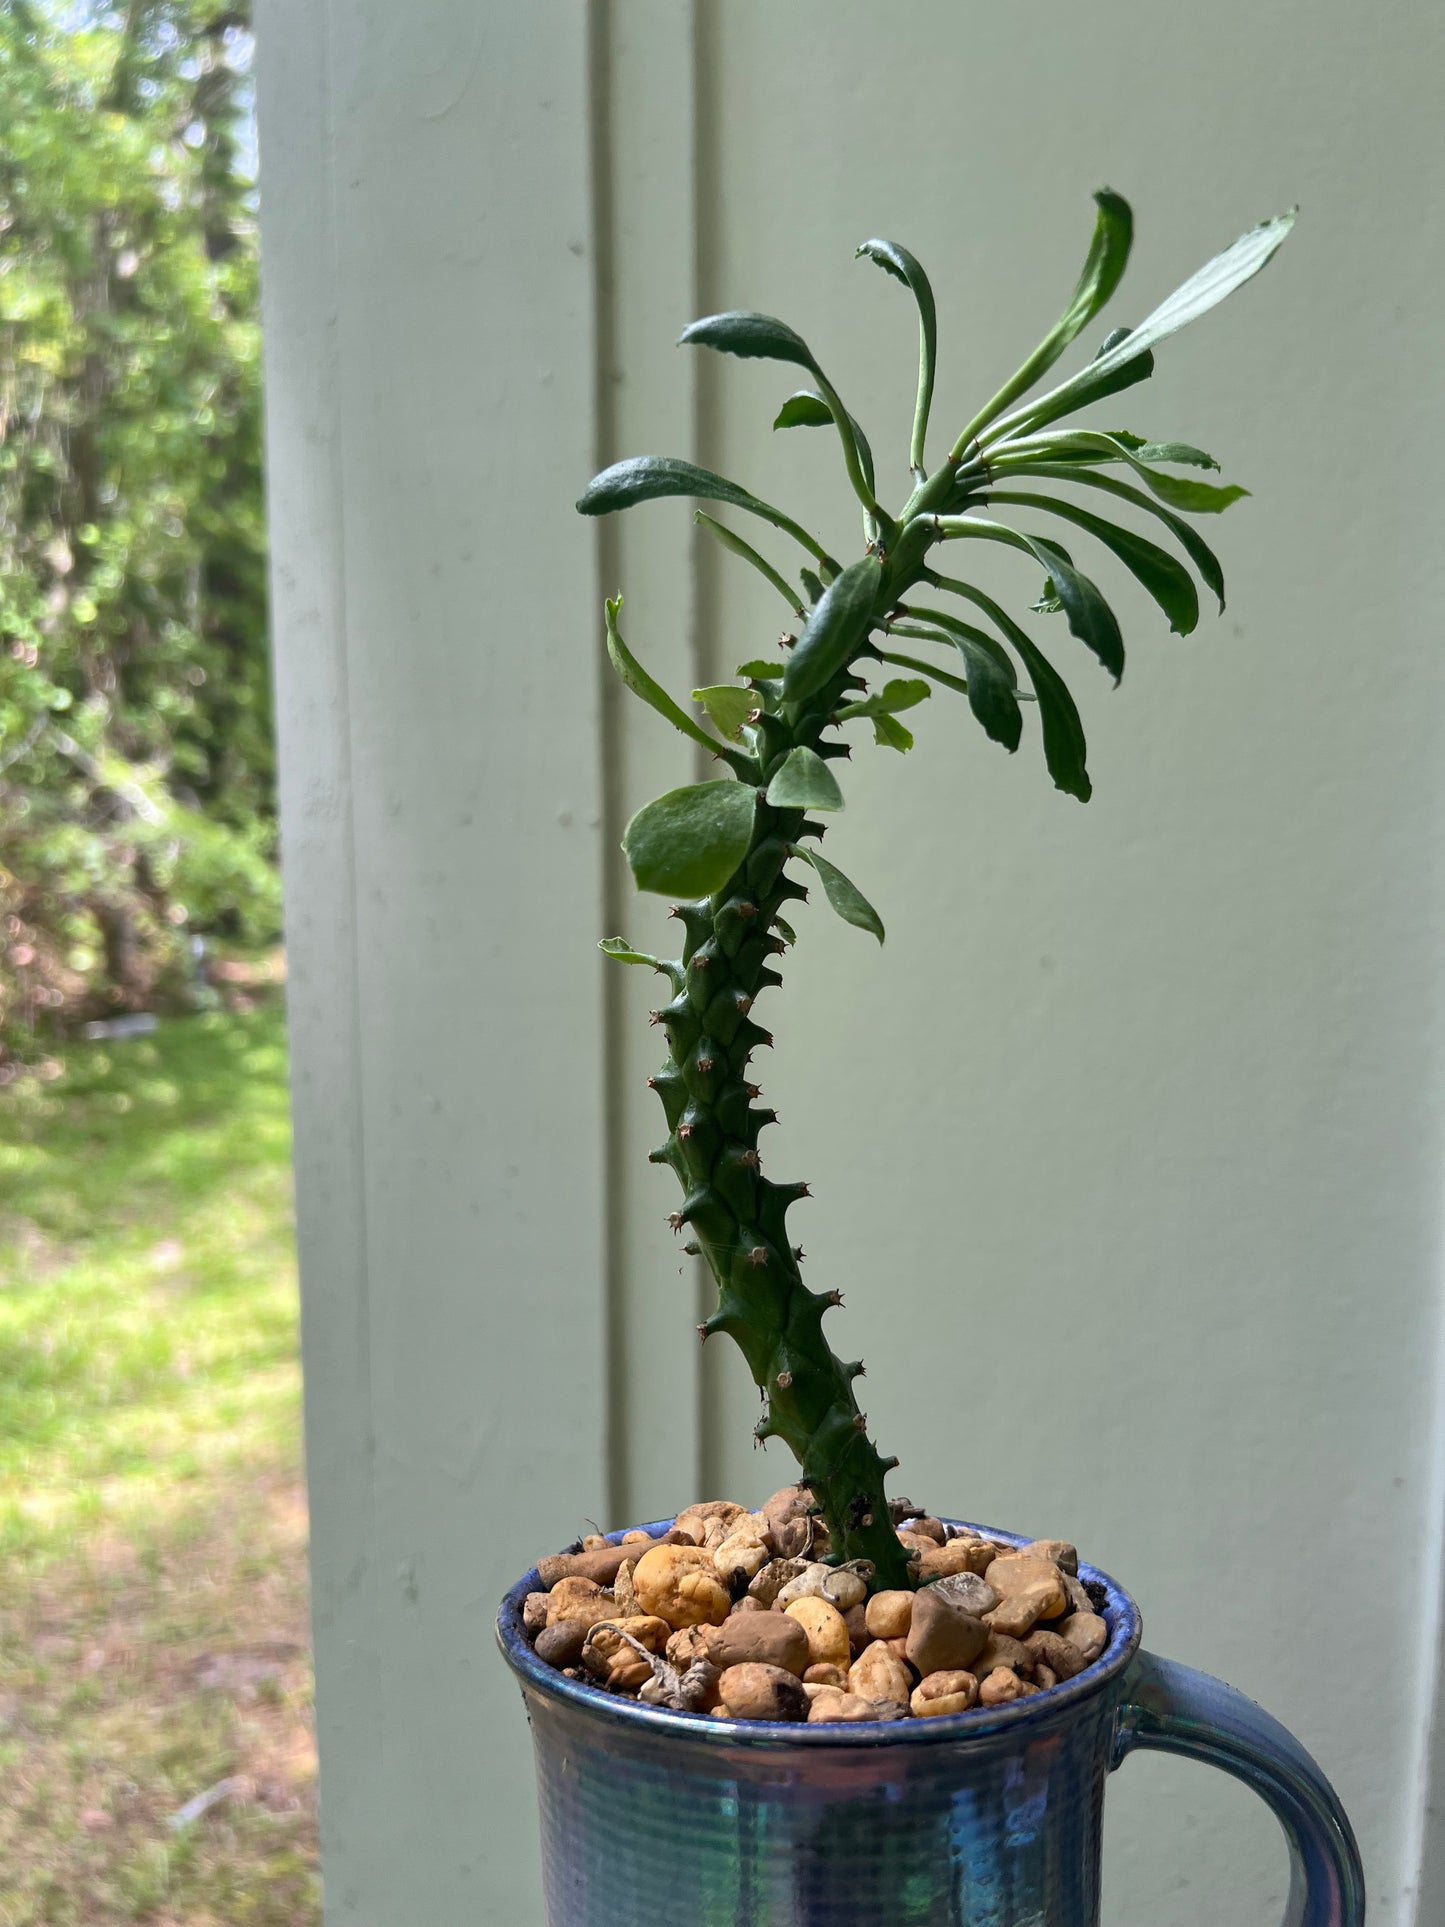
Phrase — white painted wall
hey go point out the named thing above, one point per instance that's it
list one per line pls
(1127, 1147)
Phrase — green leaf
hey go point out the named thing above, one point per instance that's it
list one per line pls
(804, 410)
(912, 662)
(991, 678)
(1193, 544)
(1168, 581)
(845, 896)
(1063, 733)
(889, 733)
(1090, 385)
(1103, 266)
(1087, 446)
(807, 410)
(641, 684)
(689, 842)
(622, 950)
(1089, 615)
(804, 782)
(737, 546)
(785, 930)
(812, 584)
(756, 337)
(835, 630)
(766, 670)
(897, 694)
(1204, 290)
(728, 705)
(646, 478)
(903, 266)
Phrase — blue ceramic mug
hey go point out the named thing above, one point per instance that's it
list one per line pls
(990, 1818)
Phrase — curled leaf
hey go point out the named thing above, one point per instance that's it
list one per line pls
(844, 895)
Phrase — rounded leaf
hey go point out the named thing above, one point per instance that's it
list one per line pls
(688, 842)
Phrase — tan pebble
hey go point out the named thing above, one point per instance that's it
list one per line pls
(600, 1566)
(765, 1639)
(830, 1704)
(942, 1636)
(856, 1620)
(888, 1615)
(836, 1584)
(1060, 1655)
(900, 1646)
(754, 1692)
(742, 1552)
(966, 1589)
(827, 1676)
(747, 1604)
(773, 1577)
(534, 1611)
(637, 1537)
(595, 1542)
(645, 1628)
(711, 1522)
(879, 1674)
(794, 1531)
(1058, 1551)
(580, 1599)
(561, 1644)
(1044, 1677)
(623, 1590)
(823, 1625)
(1002, 1651)
(1087, 1632)
(1001, 1688)
(687, 1646)
(1079, 1600)
(959, 1555)
(947, 1692)
(678, 1584)
(1028, 1590)
(926, 1528)
(627, 1674)
(914, 1543)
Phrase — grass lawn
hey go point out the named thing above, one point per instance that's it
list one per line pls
(153, 1640)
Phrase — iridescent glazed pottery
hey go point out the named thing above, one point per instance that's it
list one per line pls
(984, 1819)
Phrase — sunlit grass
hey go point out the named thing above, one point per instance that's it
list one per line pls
(152, 1532)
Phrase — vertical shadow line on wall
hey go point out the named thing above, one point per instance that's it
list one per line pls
(704, 630)
(611, 1013)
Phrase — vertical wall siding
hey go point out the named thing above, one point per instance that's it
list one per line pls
(1126, 1148)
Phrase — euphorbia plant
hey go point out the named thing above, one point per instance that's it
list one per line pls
(729, 850)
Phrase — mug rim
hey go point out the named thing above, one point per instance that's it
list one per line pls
(1120, 1614)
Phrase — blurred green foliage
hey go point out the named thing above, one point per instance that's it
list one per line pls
(135, 742)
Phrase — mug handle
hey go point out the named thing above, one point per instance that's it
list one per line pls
(1173, 1709)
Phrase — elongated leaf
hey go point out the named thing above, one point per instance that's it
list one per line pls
(645, 478)
(737, 546)
(756, 337)
(1089, 615)
(812, 584)
(844, 895)
(622, 950)
(991, 677)
(895, 695)
(688, 842)
(905, 267)
(641, 684)
(1103, 266)
(1091, 384)
(1063, 733)
(1204, 290)
(768, 670)
(805, 409)
(1086, 447)
(805, 782)
(889, 733)
(837, 628)
(728, 705)
(913, 662)
(1189, 539)
(1168, 581)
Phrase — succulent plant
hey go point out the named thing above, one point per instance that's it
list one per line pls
(731, 850)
